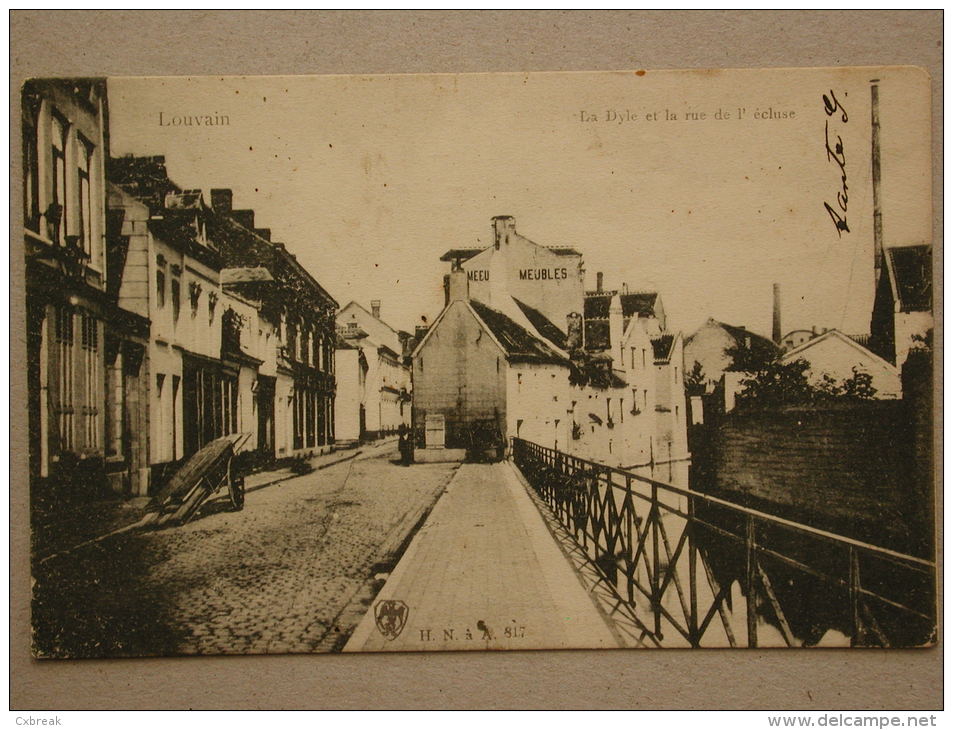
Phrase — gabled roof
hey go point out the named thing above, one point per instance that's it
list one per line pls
(662, 346)
(543, 324)
(741, 335)
(840, 336)
(464, 254)
(910, 269)
(369, 314)
(518, 344)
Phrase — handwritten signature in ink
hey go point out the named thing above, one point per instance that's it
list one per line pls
(835, 153)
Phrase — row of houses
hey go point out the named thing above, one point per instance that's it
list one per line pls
(901, 323)
(521, 349)
(160, 318)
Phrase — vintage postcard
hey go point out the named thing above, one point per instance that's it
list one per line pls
(636, 359)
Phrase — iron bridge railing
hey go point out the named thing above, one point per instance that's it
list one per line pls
(701, 571)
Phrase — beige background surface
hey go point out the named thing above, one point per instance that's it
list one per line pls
(152, 43)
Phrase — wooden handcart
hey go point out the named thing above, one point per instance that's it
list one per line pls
(207, 472)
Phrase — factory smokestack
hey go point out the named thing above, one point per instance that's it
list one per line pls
(875, 175)
(776, 321)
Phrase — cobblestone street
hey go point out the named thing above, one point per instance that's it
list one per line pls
(293, 572)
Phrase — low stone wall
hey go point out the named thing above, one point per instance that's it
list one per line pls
(852, 468)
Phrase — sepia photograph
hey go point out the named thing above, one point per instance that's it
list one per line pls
(498, 361)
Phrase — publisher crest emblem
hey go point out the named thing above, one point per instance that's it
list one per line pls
(391, 617)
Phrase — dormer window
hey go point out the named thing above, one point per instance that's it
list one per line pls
(200, 230)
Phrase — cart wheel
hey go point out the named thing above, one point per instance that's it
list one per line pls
(236, 491)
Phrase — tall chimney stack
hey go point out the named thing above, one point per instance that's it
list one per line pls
(503, 226)
(458, 284)
(599, 281)
(875, 175)
(376, 308)
(776, 322)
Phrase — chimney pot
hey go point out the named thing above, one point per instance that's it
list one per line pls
(376, 308)
(221, 199)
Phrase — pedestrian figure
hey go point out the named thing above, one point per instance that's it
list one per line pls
(404, 445)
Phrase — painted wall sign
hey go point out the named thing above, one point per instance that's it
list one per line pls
(543, 274)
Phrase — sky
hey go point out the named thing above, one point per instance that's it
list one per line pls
(369, 179)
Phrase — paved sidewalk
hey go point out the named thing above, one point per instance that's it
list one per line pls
(485, 573)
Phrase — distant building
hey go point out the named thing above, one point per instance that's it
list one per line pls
(903, 302)
(551, 278)
(350, 367)
(383, 403)
(87, 364)
(839, 357)
(610, 387)
(795, 338)
(709, 347)
(481, 377)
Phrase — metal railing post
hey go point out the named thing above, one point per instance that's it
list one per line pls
(751, 569)
(854, 596)
(692, 577)
(654, 514)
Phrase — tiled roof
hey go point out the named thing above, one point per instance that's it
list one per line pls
(596, 306)
(913, 272)
(662, 348)
(246, 275)
(186, 200)
(144, 178)
(463, 254)
(741, 335)
(596, 334)
(519, 345)
(543, 325)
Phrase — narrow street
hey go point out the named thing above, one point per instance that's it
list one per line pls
(293, 572)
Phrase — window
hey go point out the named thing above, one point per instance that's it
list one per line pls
(643, 357)
(31, 166)
(91, 399)
(176, 299)
(632, 354)
(84, 164)
(621, 412)
(293, 345)
(160, 289)
(57, 211)
(64, 405)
